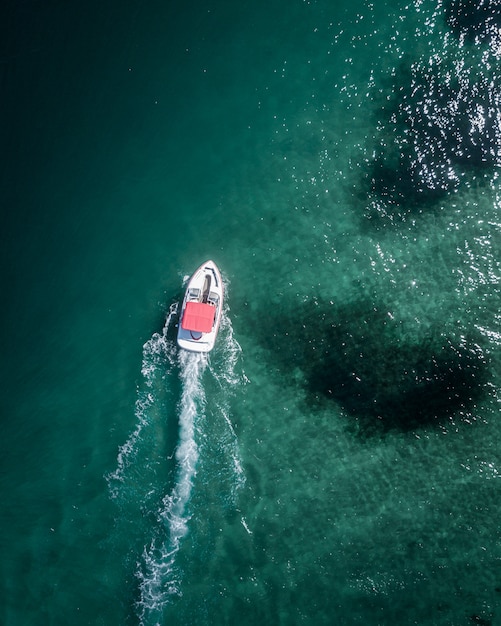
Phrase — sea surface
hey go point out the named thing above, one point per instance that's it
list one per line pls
(336, 460)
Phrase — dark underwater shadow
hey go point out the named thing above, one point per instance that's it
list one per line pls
(478, 20)
(438, 128)
(385, 376)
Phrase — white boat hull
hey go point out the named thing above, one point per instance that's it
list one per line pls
(201, 310)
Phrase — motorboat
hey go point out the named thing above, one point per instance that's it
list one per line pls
(201, 309)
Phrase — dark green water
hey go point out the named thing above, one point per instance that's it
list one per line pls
(336, 460)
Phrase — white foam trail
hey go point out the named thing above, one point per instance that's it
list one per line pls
(158, 357)
(157, 574)
(159, 578)
(228, 375)
(231, 352)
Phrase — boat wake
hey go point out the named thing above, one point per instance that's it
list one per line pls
(159, 360)
(157, 574)
(198, 391)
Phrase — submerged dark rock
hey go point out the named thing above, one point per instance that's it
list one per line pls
(380, 372)
(477, 20)
(441, 124)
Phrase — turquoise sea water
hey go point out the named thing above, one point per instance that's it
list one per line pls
(336, 459)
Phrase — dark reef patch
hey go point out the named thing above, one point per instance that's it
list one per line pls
(439, 121)
(478, 20)
(440, 126)
(377, 370)
(407, 169)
